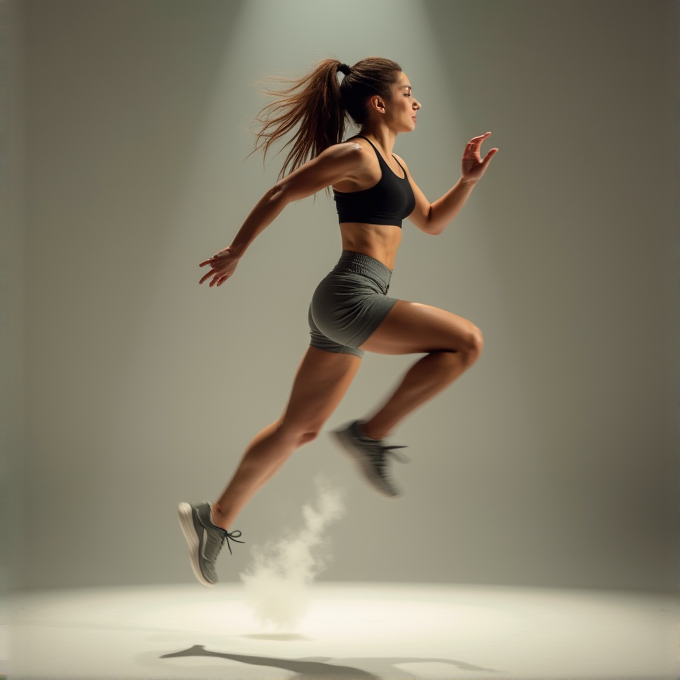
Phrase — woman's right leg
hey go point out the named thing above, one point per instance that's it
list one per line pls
(451, 342)
(320, 383)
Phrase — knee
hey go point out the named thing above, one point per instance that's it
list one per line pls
(475, 342)
(308, 435)
(471, 345)
(300, 433)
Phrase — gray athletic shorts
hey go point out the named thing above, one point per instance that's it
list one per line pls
(349, 304)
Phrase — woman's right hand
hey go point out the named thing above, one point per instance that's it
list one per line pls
(222, 266)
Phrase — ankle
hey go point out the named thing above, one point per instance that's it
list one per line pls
(217, 517)
(370, 431)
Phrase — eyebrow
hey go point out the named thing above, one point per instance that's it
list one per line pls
(403, 86)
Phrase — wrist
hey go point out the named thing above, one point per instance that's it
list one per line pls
(471, 182)
(237, 251)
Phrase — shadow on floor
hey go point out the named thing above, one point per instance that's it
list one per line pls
(318, 668)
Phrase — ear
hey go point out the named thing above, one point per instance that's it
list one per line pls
(377, 103)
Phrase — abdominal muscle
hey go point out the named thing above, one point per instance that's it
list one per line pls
(379, 241)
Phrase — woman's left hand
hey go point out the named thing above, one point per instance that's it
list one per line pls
(473, 165)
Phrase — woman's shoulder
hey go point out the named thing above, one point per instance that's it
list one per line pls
(369, 151)
(360, 163)
(354, 143)
(364, 152)
(352, 150)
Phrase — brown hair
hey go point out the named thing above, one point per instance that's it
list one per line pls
(319, 104)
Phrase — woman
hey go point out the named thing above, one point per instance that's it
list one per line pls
(350, 311)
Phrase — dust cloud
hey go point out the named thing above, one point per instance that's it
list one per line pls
(277, 581)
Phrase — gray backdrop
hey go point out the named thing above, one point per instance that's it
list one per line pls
(550, 463)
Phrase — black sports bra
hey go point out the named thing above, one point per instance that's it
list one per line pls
(387, 202)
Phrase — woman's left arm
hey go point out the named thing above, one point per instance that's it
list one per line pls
(434, 218)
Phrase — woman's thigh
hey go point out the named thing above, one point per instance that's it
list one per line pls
(411, 327)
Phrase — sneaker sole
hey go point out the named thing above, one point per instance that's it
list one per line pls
(342, 440)
(186, 523)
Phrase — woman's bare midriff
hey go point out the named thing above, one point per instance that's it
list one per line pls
(379, 241)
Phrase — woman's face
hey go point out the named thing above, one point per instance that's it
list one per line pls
(401, 111)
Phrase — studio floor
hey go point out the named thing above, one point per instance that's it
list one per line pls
(348, 631)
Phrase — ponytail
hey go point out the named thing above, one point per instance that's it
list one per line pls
(318, 103)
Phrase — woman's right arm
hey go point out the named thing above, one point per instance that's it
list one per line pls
(337, 162)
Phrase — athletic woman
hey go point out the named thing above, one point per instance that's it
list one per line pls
(350, 312)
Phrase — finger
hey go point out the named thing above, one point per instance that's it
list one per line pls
(207, 276)
(478, 138)
(476, 141)
(488, 157)
(205, 262)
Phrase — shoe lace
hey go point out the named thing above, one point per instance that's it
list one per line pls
(379, 453)
(226, 536)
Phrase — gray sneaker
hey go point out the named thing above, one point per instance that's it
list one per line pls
(371, 456)
(205, 540)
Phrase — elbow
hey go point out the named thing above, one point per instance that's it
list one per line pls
(434, 227)
(278, 194)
